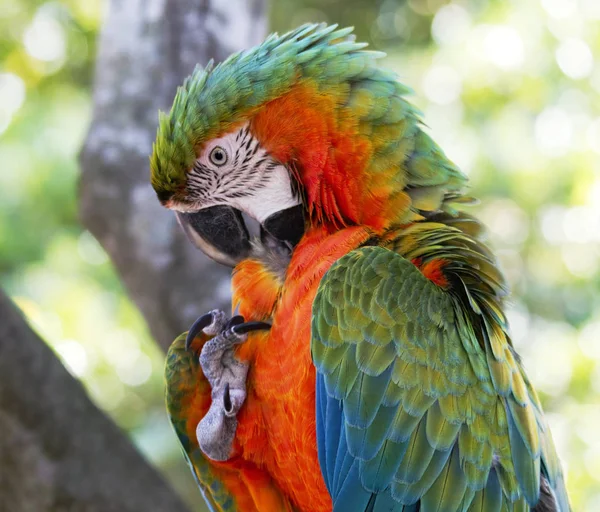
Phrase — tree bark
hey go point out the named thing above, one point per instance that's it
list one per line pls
(147, 48)
(58, 452)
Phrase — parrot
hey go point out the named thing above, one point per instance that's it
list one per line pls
(367, 362)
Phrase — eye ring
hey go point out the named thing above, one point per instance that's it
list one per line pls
(218, 156)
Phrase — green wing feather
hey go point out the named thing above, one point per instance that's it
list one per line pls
(181, 372)
(436, 406)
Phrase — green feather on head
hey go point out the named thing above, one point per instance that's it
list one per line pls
(211, 100)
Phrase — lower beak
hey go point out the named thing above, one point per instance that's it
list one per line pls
(285, 226)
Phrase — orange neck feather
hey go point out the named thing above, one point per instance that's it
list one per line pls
(324, 146)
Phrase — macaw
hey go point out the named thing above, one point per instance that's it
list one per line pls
(369, 365)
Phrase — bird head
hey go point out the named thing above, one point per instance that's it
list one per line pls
(303, 129)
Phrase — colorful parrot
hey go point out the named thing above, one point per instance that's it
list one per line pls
(369, 366)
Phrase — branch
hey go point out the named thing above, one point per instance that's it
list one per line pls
(146, 50)
(57, 450)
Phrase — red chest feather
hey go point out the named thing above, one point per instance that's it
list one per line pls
(277, 428)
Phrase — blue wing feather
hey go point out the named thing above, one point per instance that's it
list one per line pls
(388, 428)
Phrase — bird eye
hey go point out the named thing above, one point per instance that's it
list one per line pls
(218, 156)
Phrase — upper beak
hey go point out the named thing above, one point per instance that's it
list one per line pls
(220, 231)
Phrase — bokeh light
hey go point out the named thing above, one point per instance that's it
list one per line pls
(575, 58)
(44, 39)
(12, 96)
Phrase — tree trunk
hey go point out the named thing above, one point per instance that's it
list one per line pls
(146, 50)
(58, 452)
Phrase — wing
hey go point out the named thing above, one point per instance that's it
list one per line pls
(185, 393)
(415, 411)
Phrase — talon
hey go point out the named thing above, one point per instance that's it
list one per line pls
(227, 400)
(250, 326)
(235, 320)
(197, 327)
(210, 323)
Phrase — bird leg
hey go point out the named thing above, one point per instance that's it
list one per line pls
(226, 376)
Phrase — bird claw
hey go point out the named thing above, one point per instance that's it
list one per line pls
(226, 376)
(211, 323)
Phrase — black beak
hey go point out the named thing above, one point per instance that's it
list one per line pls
(221, 233)
(286, 226)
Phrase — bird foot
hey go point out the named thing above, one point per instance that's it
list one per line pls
(226, 376)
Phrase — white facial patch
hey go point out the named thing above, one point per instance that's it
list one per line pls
(235, 170)
(276, 196)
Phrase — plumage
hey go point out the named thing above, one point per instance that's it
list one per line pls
(388, 380)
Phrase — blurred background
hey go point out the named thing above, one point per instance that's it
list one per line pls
(510, 90)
